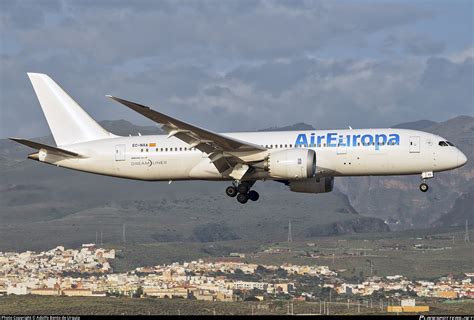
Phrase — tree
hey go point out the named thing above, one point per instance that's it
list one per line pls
(281, 273)
(138, 293)
(261, 269)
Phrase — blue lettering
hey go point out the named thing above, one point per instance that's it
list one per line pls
(331, 137)
(341, 141)
(312, 140)
(320, 139)
(394, 139)
(380, 139)
(301, 140)
(354, 139)
(367, 140)
(333, 140)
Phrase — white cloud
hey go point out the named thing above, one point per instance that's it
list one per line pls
(225, 64)
(461, 56)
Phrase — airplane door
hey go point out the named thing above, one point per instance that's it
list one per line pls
(120, 152)
(415, 144)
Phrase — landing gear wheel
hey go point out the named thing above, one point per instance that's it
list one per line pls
(242, 198)
(253, 195)
(243, 188)
(424, 187)
(231, 191)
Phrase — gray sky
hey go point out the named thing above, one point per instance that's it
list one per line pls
(241, 65)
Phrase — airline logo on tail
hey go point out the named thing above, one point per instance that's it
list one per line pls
(332, 139)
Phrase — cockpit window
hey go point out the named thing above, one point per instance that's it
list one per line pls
(452, 145)
(443, 143)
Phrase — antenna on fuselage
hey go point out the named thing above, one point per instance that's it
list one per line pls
(350, 127)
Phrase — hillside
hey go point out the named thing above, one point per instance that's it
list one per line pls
(398, 200)
(462, 210)
(42, 206)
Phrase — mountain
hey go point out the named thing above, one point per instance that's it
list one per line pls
(415, 125)
(461, 211)
(293, 127)
(398, 198)
(42, 206)
(125, 128)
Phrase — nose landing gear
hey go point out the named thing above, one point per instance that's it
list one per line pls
(242, 191)
(425, 175)
(423, 187)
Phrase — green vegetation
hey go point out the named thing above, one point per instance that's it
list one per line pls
(150, 306)
(362, 255)
(354, 256)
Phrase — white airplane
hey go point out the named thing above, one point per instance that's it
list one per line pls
(306, 161)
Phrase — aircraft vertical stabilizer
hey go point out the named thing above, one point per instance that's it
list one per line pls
(68, 122)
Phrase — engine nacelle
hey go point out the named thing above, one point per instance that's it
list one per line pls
(291, 164)
(313, 185)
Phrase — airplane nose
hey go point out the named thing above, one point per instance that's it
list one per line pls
(462, 159)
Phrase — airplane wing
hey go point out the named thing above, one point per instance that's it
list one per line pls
(217, 146)
(38, 146)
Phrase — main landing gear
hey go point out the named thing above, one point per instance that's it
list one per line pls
(242, 191)
(425, 175)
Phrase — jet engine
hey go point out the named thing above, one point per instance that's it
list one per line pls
(290, 164)
(313, 185)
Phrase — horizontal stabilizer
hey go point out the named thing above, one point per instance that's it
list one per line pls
(38, 146)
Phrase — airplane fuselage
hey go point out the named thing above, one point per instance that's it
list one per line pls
(353, 152)
(306, 161)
